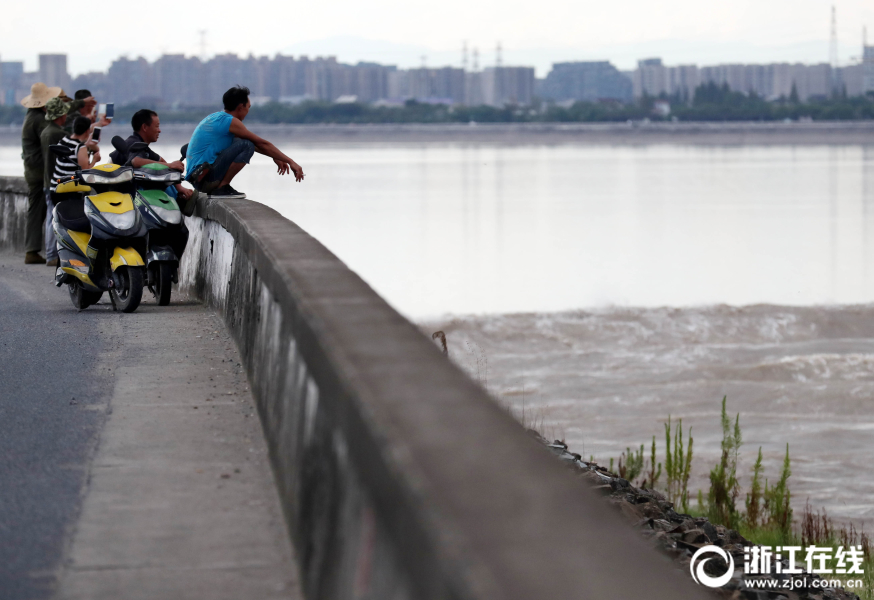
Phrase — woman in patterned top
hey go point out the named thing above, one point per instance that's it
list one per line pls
(80, 158)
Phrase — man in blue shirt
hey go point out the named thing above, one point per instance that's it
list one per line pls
(221, 146)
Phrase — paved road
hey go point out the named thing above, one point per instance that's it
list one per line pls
(132, 463)
(52, 397)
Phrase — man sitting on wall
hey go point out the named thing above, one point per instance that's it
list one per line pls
(221, 146)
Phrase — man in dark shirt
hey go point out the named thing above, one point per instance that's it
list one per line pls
(147, 128)
(34, 167)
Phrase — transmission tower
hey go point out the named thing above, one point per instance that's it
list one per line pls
(475, 60)
(833, 50)
(464, 56)
(498, 55)
(202, 33)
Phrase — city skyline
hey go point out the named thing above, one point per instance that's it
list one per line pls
(384, 31)
(353, 50)
(175, 80)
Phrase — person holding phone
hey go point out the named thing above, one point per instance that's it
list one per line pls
(85, 152)
(89, 111)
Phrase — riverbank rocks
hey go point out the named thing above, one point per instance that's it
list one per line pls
(679, 535)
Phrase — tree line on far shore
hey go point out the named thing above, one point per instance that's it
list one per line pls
(710, 102)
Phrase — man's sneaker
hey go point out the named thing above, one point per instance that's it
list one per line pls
(53, 262)
(33, 258)
(226, 192)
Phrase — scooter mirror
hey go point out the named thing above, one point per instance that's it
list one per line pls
(184, 151)
(118, 143)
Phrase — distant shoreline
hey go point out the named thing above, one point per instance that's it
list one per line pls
(636, 133)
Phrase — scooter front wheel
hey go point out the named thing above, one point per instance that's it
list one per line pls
(127, 296)
(81, 297)
(164, 283)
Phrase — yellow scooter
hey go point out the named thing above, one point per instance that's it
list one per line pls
(101, 237)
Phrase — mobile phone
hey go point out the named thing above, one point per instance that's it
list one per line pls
(107, 110)
(95, 135)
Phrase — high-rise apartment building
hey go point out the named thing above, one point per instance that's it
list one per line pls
(585, 81)
(867, 69)
(131, 81)
(771, 81)
(507, 85)
(179, 80)
(11, 74)
(53, 70)
(444, 84)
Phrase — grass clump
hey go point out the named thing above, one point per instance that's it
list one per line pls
(724, 486)
(632, 465)
(678, 465)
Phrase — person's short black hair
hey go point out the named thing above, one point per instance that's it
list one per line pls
(81, 125)
(142, 117)
(235, 96)
(81, 94)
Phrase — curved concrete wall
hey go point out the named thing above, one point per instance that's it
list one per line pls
(13, 206)
(399, 477)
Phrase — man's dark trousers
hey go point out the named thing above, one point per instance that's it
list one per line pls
(36, 214)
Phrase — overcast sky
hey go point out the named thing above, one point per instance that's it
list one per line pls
(398, 32)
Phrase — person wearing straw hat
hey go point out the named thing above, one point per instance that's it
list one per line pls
(34, 164)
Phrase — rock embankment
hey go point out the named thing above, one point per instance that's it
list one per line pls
(679, 536)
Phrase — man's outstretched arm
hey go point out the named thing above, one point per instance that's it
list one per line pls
(284, 164)
(140, 161)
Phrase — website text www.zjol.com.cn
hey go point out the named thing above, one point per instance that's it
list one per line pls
(782, 563)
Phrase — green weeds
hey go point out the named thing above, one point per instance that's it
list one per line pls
(678, 465)
(633, 465)
(764, 517)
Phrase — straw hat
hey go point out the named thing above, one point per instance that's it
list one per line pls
(40, 93)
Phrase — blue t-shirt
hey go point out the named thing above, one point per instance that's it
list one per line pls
(211, 136)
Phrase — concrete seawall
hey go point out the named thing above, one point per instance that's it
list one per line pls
(398, 475)
(13, 208)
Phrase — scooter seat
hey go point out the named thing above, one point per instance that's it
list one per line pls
(71, 214)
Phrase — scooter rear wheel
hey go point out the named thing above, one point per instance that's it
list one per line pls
(164, 283)
(127, 296)
(81, 297)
